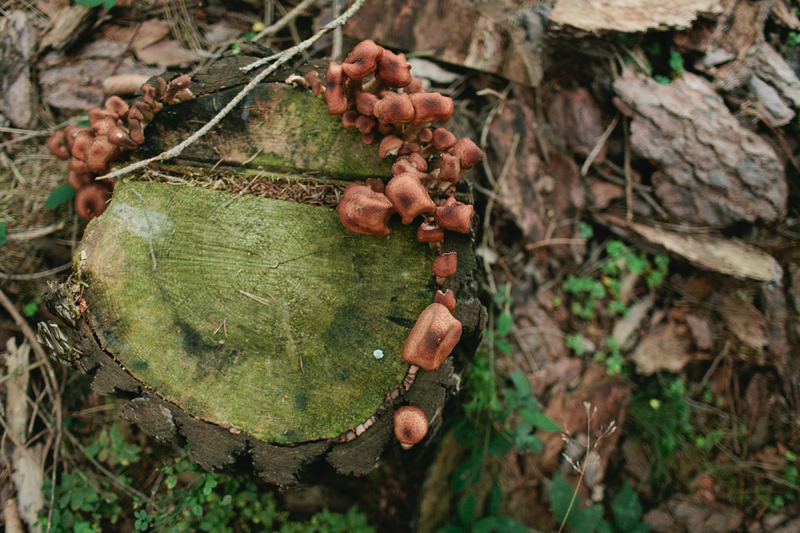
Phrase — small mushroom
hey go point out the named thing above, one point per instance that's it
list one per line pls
(100, 154)
(121, 138)
(175, 86)
(408, 196)
(389, 146)
(368, 138)
(443, 139)
(77, 180)
(349, 119)
(418, 161)
(414, 87)
(444, 265)
(58, 147)
(365, 103)
(82, 141)
(91, 200)
(70, 132)
(447, 299)
(410, 426)
(376, 185)
(312, 78)
(394, 108)
(425, 135)
(403, 164)
(467, 152)
(432, 338)
(334, 95)
(454, 215)
(431, 106)
(365, 211)
(448, 168)
(117, 105)
(393, 69)
(429, 231)
(365, 123)
(363, 60)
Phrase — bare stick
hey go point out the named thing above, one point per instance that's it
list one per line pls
(36, 275)
(282, 58)
(284, 20)
(601, 141)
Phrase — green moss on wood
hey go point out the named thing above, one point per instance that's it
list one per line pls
(294, 367)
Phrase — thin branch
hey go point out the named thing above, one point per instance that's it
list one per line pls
(282, 58)
(601, 141)
(36, 275)
(285, 20)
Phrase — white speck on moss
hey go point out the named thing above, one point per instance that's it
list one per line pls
(378, 354)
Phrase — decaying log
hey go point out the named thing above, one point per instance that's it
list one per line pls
(712, 170)
(221, 293)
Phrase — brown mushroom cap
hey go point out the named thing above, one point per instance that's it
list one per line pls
(389, 144)
(394, 108)
(425, 135)
(376, 185)
(403, 165)
(418, 161)
(70, 132)
(429, 231)
(445, 265)
(365, 123)
(349, 119)
(77, 180)
(175, 86)
(447, 299)
(81, 142)
(334, 95)
(101, 120)
(365, 103)
(312, 78)
(363, 60)
(393, 69)
(409, 196)
(449, 168)
(443, 139)
(57, 146)
(368, 138)
(91, 200)
(454, 215)
(100, 154)
(136, 130)
(120, 137)
(467, 152)
(365, 211)
(432, 338)
(415, 86)
(410, 426)
(431, 106)
(79, 166)
(117, 105)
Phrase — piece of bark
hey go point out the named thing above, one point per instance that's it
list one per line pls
(742, 319)
(535, 192)
(713, 171)
(630, 17)
(500, 38)
(627, 325)
(768, 103)
(18, 95)
(67, 27)
(576, 116)
(701, 331)
(708, 251)
(776, 313)
(668, 348)
(149, 32)
(167, 54)
(767, 64)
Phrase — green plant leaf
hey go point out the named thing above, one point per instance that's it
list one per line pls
(466, 509)
(2, 234)
(586, 520)
(495, 500)
(30, 309)
(627, 509)
(504, 323)
(539, 420)
(451, 529)
(108, 4)
(466, 433)
(500, 443)
(499, 524)
(503, 346)
(522, 384)
(468, 473)
(560, 497)
(59, 195)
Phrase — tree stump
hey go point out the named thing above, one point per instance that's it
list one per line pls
(222, 295)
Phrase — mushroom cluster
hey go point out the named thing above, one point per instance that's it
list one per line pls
(430, 162)
(92, 150)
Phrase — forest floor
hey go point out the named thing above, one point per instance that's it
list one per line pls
(639, 253)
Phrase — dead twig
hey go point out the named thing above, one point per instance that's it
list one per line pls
(284, 20)
(601, 141)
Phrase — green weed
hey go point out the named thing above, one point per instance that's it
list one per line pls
(626, 509)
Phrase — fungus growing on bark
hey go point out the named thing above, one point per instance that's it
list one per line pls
(444, 265)
(393, 69)
(432, 338)
(429, 231)
(431, 106)
(334, 94)
(363, 60)
(447, 299)
(454, 215)
(408, 196)
(410, 426)
(365, 211)
(394, 108)
(57, 146)
(91, 200)
(443, 139)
